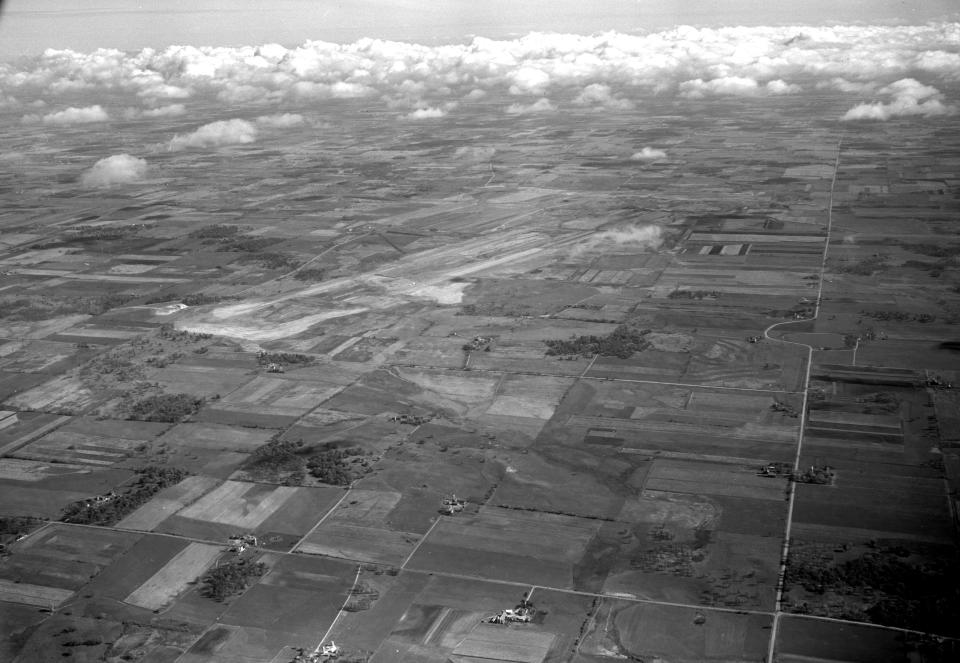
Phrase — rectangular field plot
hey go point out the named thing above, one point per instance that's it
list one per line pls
(364, 544)
(501, 544)
(806, 640)
(681, 421)
(38, 595)
(530, 396)
(277, 514)
(712, 361)
(64, 557)
(299, 595)
(93, 442)
(241, 505)
(213, 449)
(168, 502)
(173, 578)
(276, 396)
(699, 566)
(702, 478)
(42, 489)
(62, 393)
(490, 641)
(622, 630)
(200, 380)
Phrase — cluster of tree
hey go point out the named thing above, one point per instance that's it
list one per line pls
(168, 332)
(117, 363)
(935, 268)
(278, 460)
(167, 408)
(271, 260)
(31, 308)
(899, 316)
(935, 250)
(246, 244)
(13, 527)
(900, 592)
(865, 267)
(330, 466)
(264, 358)
(289, 461)
(231, 578)
(312, 275)
(622, 342)
(216, 231)
(91, 234)
(110, 509)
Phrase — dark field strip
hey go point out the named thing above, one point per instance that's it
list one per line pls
(853, 435)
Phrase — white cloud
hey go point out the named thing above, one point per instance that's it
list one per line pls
(725, 85)
(649, 154)
(528, 80)
(74, 115)
(116, 169)
(223, 132)
(541, 105)
(782, 87)
(428, 113)
(281, 120)
(608, 70)
(622, 238)
(599, 95)
(909, 97)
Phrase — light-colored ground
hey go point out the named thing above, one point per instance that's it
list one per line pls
(38, 595)
(167, 503)
(164, 585)
(229, 505)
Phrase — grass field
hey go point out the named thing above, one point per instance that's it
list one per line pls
(658, 632)
(212, 448)
(502, 544)
(241, 505)
(804, 640)
(164, 586)
(92, 442)
(168, 502)
(365, 544)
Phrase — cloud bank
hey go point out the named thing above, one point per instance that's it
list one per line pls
(223, 132)
(72, 115)
(605, 71)
(909, 97)
(116, 169)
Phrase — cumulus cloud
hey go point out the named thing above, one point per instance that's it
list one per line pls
(622, 239)
(601, 96)
(649, 154)
(223, 132)
(600, 71)
(782, 87)
(908, 97)
(116, 169)
(541, 105)
(725, 85)
(281, 120)
(74, 115)
(427, 113)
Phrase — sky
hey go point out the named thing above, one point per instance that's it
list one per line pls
(28, 27)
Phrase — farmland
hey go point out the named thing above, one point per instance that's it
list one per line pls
(698, 407)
